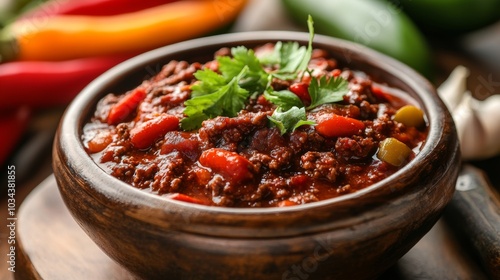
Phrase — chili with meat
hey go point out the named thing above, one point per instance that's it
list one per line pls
(248, 159)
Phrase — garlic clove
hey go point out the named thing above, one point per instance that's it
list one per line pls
(453, 89)
(488, 113)
(477, 122)
(470, 130)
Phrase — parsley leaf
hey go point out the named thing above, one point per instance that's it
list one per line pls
(307, 56)
(227, 100)
(209, 82)
(327, 90)
(256, 78)
(291, 58)
(242, 75)
(284, 99)
(290, 119)
(291, 112)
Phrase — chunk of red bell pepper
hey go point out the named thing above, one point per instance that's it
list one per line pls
(145, 134)
(232, 166)
(333, 125)
(302, 91)
(121, 110)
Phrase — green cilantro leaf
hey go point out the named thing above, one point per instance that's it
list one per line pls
(289, 120)
(256, 78)
(243, 75)
(272, 58)
(327, 90)
(284, 99)
(291, 58)
(193, 121)
(305, 61)
(209, 82)
(227, 100)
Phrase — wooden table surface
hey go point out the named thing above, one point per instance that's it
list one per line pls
(442, 253)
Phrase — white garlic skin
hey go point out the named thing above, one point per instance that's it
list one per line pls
(477, 122)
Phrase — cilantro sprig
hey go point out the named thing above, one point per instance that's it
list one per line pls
(322, 91)
(284, 99)
(289, 120)
(255, 79)
(227, 99)
(243, 74)
(224, 94)
(290, 113)
(291, 58)
(327, 90)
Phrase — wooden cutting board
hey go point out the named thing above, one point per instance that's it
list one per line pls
(51, 245)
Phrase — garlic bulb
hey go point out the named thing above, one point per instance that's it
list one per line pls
(453, 89)
(477, 122)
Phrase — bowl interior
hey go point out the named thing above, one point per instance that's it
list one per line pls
(132, 72)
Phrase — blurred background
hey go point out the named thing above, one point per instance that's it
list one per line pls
(50, 50)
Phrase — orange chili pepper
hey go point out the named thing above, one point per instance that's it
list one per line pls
(66, 37)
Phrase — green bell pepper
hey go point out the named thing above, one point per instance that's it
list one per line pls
(377, 24)
(451, 16)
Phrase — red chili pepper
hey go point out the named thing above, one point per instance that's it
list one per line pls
(146, 133)
(230, 165)
(90, 8)
(333, 125)
(121, 110)
(301, 90)
(40, 84)
(12, 125)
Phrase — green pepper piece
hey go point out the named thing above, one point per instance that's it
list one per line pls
(451, 17)
(393, 151)
(377, 24)
(410, 115)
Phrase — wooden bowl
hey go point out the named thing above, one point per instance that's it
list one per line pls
(354, 236)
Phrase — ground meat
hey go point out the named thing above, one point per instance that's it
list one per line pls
(167, 179)
(280, 84)
(320, 165)
(175, 72)
(355, 148)
(225, 132)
